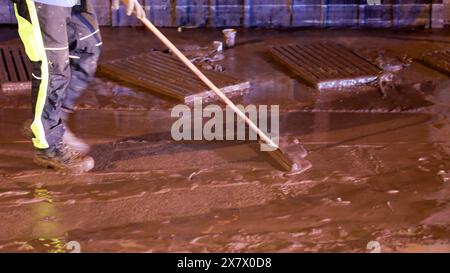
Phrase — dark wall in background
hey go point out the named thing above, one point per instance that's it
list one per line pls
(275, 13)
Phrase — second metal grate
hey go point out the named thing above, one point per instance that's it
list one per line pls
(326, 65)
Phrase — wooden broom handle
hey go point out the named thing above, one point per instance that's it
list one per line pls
(205, 79)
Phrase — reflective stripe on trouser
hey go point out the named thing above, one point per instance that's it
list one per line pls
(85, 47)
(43, 31)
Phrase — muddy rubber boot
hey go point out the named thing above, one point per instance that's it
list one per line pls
(63, 158)
(69, 138)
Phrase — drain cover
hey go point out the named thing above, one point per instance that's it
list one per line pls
(15, 68)
(165, 75)
(325, 65)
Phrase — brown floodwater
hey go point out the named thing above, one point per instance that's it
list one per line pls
(381, 163)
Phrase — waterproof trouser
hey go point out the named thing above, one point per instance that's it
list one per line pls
(63, 45)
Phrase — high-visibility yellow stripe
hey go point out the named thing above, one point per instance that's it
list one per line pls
(32, 39)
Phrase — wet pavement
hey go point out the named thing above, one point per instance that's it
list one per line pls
(381, 161)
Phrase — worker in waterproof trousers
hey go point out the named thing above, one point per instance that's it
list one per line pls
(63, 42)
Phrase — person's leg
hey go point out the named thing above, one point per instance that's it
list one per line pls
(85, 47)
(43, 30)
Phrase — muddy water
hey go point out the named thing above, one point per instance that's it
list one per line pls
(381, 164)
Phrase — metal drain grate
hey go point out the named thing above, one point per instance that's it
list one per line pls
(165, 75)
(15, 68)
(438, 60)
(326, 65)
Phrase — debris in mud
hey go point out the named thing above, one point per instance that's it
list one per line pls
(385, 60)
(392, 64)
(229, 37)
(386, 82)
(390, 67)
(206, 57)
(445, 176)
(181, 28)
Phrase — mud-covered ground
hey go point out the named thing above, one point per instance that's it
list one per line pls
(381, 164)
